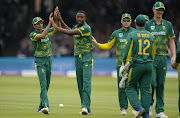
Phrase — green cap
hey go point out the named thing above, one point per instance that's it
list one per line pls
(146, 17)
(36, 20)
(159, 5)
(140, 20)
(126, 15)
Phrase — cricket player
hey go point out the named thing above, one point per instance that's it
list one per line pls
(83, 56)
(164, 35)
(174, 65)
(140, 49)
(118, 37)
(42, 51)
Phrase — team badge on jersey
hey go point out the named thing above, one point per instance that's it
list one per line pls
(152, 27)
(164, 27)
(120, 34)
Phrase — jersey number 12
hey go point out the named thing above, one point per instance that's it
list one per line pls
(145, 42)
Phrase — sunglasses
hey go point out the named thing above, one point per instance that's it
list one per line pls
(126, 20)
(160, 9)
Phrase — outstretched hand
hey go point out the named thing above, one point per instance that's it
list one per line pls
(94, 41)
(53, 23)
(57, 14)
(50, 17)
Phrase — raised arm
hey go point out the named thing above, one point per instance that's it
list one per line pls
(55, 17)
(44, 33)
(94, 42)
(65, 31)
(61, 20)
(105, 46)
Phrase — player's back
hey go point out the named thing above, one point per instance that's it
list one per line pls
(142, 42)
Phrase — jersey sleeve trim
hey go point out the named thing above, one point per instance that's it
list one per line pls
(33, 38)
(129, 53)
(52, 32)
(108, 45)
(86, 34)
(171, 37)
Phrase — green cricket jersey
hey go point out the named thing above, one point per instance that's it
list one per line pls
(42, 47)
(82, 42)
(140, 47)
(162, 33)
(120, 36)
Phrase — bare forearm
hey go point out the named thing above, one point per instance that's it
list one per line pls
(96, 44)
(65, 31)
(64, 25)
(57, 22)
(172, 47)
(44, 33)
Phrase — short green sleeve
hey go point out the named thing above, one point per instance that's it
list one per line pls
(85, 30)
(113, 35)
(32, 36)
(51, 31)
(171, 31)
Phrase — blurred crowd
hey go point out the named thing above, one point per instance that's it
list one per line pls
(102, 15)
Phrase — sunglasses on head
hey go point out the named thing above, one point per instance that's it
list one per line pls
(126, 20)
(160, 9)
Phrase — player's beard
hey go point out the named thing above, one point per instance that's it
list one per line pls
(39, 29)
(159, 15)
(126, 26)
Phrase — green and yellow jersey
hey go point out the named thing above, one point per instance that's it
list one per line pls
(162, 33)
(82, 42)
(119, 37)
(42, 47)
(140, 47)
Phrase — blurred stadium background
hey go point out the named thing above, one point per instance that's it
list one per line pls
(16, 51)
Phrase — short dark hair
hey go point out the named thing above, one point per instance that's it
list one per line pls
(82, 11)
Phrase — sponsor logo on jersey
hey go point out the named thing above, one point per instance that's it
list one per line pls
(76, 35)
(122, 40)
(45, 40)
(152, 27)
(164, 27)
(120, 34)
(158, 33)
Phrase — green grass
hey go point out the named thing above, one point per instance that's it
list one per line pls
(19, 98)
